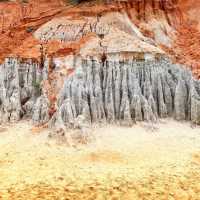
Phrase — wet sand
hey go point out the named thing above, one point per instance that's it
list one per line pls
(119, 164)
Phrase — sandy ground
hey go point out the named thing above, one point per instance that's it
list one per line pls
(119, 164)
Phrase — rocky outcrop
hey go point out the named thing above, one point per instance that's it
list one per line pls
(10, 91)
(195, 102)
(127, 92)
(20, 87)
(124, 92)
(24, 25)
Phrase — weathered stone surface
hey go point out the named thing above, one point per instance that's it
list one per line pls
(195, 102)
(19, 88)
(10, 91)
(130, 91)
(41, 111)
(98, 92)
(180, 100)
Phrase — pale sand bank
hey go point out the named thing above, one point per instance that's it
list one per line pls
(121, 163)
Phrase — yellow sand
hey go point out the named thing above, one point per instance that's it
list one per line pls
(119, 164)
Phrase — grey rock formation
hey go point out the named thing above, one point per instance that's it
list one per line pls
(195, 102)
(98, 92)
(130, 91)
(19, 88)
(180, 100)
(10, 91)
(41, 111)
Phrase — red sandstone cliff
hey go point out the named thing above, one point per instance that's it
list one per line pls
(172, 24)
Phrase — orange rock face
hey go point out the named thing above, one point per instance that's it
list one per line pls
(187, 43)
(18, 21)
(190, 9)
(172, 24)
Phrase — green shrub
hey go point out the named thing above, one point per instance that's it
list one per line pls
(37, 87)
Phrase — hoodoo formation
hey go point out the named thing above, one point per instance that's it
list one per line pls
(70, 65)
